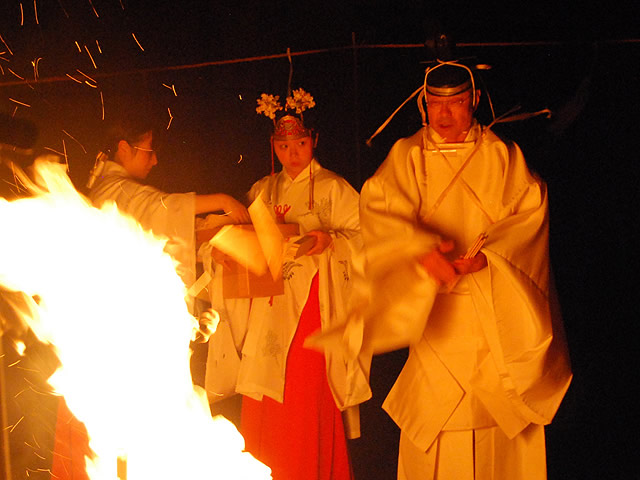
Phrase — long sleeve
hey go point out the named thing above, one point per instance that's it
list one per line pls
(166, 215)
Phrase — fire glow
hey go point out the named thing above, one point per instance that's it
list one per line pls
(112, 305)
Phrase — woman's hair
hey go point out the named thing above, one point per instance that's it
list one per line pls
(130, 127)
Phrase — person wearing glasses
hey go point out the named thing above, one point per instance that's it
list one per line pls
(455, 229)
(127, 160)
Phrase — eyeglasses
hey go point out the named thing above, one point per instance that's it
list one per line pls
(150, 150)
(449, 103)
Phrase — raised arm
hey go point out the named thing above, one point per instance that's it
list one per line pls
(221, 202)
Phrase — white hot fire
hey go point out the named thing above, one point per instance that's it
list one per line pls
(111, 303)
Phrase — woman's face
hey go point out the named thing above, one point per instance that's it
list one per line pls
(294, 155)
(138, 158)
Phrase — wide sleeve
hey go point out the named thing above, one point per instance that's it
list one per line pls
(528, 372)
(167, 215)
(336, 279)
(400, 292)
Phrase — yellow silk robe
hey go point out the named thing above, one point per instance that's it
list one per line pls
(489, 352)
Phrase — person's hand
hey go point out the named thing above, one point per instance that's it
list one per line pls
(235, 210)
(437, 265)
(323, 240)
(207, 324)
(470, 265)
(221, 258)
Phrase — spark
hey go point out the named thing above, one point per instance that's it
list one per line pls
(54, 151)
(91, 57)
(16, 424)
(74, 139)
(170, 118)
(35, 63)
(30, 446)
(98, 45)
(19, 103)
(38, 455)
(102, 103)
(134, 37)
(40, 470)
(21, 15)
(92, 86)
(66, 157)
(20, 392)
(63, 9)
(74, 79)
(15, 73)
(33, 389)
(35, 11)
(85, 75)
(240, 96)
(14, 363)
(24, 369)
(35, 440)
(5, 44)
(94, 9)
(78, 46)
(171, 87)
(240, 158)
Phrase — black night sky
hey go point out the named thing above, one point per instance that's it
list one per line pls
(199, 65)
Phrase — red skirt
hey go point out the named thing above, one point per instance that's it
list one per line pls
(304, 436)
(71, 446)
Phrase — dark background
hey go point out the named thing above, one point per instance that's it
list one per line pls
(361, 60)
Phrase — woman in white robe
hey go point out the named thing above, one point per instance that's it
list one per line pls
(293, 396)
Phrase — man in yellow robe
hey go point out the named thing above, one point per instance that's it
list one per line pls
(456, 229)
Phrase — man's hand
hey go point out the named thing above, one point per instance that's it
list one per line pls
(437, 265)
(470, 265)
(323, 240)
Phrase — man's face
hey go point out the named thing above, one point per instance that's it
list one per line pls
(451, 116)
(294, 155)
(141, 157)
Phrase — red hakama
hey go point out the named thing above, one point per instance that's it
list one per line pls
(71, 446)
(302, 438)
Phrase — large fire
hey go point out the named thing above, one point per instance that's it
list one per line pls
(107, 297)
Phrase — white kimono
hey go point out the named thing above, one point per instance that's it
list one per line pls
(490, 352)
(263, 327)
(167, 215)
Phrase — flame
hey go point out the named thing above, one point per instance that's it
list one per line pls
(110, 302)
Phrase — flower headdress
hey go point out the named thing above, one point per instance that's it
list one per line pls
(287, 127)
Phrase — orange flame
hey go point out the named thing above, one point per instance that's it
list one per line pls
(112, 305)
